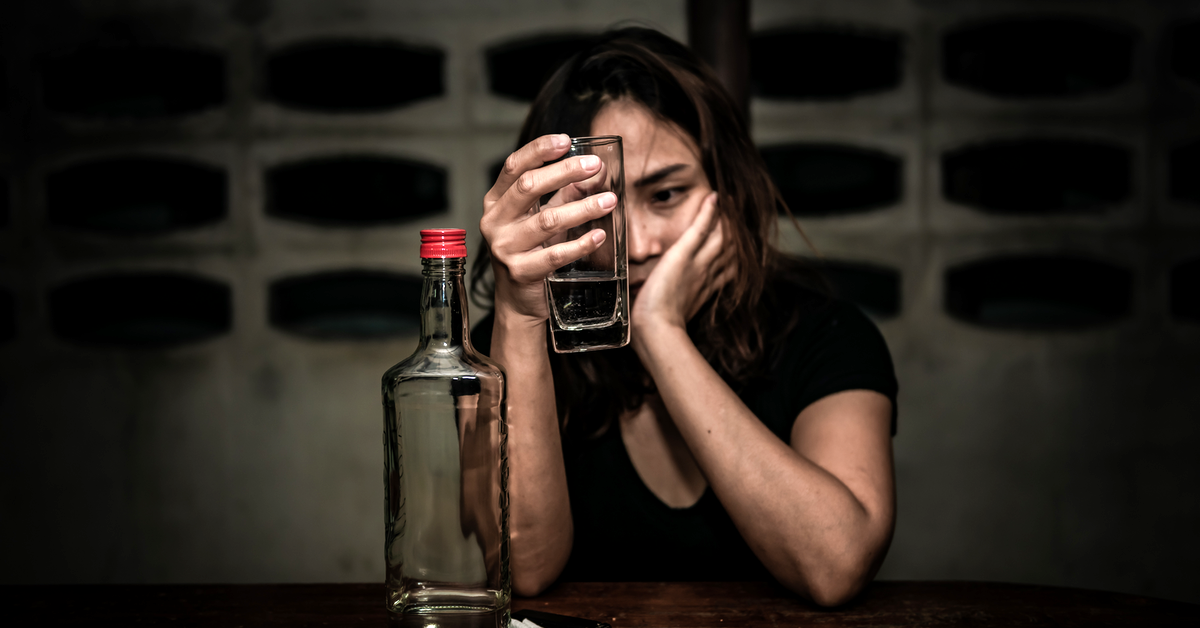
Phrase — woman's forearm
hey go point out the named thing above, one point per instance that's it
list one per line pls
(539, 510)
(811, 531)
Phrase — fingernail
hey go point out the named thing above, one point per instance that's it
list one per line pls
(562, 141)
(606, 200)
(598, 237)
(590, 162)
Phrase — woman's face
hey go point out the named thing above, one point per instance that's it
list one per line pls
(664, 183)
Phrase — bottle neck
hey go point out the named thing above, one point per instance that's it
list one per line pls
(444, 317)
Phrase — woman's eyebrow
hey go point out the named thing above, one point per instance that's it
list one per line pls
(658, 175)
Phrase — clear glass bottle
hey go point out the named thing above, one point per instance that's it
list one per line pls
(446, 462)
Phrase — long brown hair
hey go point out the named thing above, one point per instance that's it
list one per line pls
(732, 329)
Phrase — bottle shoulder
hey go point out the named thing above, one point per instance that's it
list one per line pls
(486, 363)
(443, 364)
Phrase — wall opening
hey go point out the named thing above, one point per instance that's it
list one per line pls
(1038, 176)
(1185, 290)
(356, 191)
(518, 69)
(831, 179)
(1185, 51)
(136, 196)
(824, 63)
(5, 201)
(1038, 292)
(133, 81)
(1038, 57)
(8, 315)
(152, 309)
(874, 288)
(342, 76)
(348, 304)
(1184, 173)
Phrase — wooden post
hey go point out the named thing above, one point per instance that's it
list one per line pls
(719, 31)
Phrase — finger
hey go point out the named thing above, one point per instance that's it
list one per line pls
(541, 262)
(713, 245)
(716, 262)
(550, 222)
(727, 275)
(595, 183)
(530, 156)
(530, 186)
(696, 233)
(570, 193)
(541, 230)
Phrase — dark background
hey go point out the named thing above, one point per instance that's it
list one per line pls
(208, 251)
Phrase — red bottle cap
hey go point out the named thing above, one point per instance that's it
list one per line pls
(443, 243)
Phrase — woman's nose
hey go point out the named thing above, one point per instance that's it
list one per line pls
(643, 244)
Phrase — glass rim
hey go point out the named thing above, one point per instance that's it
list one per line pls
(595, 140)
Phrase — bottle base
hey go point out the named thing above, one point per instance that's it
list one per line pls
(449, 617)
(444, 605)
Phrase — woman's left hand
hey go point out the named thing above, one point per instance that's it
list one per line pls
(693, 269)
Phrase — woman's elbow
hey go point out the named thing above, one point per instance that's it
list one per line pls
(829, 589)
(834, 581)
(529, 585)
(535, 566)
(533, 575)
(837, 590)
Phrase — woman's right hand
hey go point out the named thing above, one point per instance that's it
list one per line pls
(515, 232)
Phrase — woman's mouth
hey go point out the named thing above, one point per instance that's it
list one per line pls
(634, 289)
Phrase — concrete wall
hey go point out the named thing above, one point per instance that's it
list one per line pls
(1052, 457)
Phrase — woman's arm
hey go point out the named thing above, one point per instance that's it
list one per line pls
(539, 511)
(818, 513)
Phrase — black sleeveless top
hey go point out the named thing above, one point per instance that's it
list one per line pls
(623, 532)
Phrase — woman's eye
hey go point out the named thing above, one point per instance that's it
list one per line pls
(665, 196)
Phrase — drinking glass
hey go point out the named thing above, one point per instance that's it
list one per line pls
(589, 298)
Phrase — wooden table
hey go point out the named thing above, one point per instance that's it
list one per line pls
(624, 605)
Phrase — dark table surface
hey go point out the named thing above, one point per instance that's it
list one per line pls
(624, 604)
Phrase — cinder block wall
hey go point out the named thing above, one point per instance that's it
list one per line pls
(1041, 440)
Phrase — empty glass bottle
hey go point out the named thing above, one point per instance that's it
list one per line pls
(446, 462)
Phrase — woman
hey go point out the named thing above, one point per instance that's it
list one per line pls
(746, 432)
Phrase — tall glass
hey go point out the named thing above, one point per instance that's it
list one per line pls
(589, 298)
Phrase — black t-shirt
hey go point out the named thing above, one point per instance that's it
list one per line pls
(623, 532)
